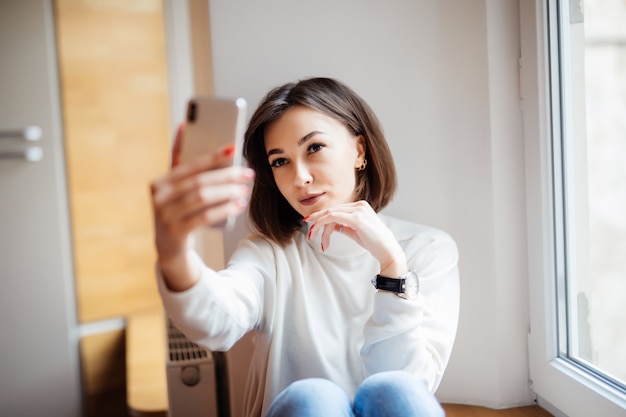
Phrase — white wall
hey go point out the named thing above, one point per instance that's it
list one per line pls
(442, 77)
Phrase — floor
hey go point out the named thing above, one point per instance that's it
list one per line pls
(453, 410)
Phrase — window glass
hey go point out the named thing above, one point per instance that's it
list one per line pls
(592, 181)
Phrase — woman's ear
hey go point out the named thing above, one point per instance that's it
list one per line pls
(360, 149)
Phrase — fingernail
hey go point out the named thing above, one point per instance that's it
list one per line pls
(306, 218)
(310, 230)
(229, 151)
(322, 247)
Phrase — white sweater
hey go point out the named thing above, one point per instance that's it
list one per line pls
(316, 314)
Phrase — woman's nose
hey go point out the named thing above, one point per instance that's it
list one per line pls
(302, 175)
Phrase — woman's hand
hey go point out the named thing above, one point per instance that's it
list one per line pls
(360, 222)
(202, 192)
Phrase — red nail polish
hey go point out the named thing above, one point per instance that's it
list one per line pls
(229, 151)
(322, 247)
(306, 218)
(310, 230)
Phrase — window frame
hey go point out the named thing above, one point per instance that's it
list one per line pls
(562, 386)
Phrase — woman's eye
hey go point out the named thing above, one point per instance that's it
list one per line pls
(278, 162)
(314, 147)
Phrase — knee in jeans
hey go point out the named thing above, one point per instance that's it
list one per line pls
(395, 393)
(390, 382)
(312, 396)
(310, 387)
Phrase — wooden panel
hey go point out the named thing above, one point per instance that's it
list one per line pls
(114, 88)
(146, 361)
(103, 373)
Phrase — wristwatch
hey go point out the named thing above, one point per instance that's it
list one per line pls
(406, 286)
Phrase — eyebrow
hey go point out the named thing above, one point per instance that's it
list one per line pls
(301, 141)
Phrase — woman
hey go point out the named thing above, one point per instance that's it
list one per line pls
(328, 342)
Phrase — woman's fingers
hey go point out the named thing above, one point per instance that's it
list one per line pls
(359, 222)
(203, 171)
(202, 199)
(214, 215)
(175, 221)
(331, 228)
(218, 159)
(172, 188)
(202, 192)
(177, 142)
(352, 216)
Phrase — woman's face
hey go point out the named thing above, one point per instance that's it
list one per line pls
(313, 158)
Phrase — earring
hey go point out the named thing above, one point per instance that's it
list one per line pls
(363, 165)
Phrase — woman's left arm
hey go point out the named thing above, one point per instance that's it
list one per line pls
(417, 335)
(412, 335)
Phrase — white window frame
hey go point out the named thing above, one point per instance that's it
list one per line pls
(562, 387)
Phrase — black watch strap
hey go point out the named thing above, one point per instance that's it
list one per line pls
(389, 284)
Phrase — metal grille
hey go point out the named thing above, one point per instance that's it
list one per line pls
(182, 349)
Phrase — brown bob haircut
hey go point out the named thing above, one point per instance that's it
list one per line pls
(269, 211)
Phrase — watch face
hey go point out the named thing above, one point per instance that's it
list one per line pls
(411, 285)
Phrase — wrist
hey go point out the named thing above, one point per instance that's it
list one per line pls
(179, 272)
(396, 266)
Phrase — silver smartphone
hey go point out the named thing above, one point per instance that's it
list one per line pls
(212, 123)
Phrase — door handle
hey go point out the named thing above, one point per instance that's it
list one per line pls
(29, 154)
(29, 133)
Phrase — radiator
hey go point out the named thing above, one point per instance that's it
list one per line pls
(191, 377)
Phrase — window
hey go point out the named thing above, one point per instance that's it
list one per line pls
(574, 88)
(589, 149)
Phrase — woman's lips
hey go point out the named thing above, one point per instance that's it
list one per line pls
(310, 199)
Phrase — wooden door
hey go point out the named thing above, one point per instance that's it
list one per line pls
(115, 104)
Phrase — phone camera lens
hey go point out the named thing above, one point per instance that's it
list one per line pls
(191, 111)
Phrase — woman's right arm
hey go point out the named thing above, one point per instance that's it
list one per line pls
(200, 193)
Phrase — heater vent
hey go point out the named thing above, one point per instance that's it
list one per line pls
(191, 377)
(182, 349)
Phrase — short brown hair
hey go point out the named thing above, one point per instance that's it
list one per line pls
(269, 211)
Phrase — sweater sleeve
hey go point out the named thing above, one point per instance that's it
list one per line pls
(417, 335)
(223, 305)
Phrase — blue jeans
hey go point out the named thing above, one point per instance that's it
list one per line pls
(385, 394)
